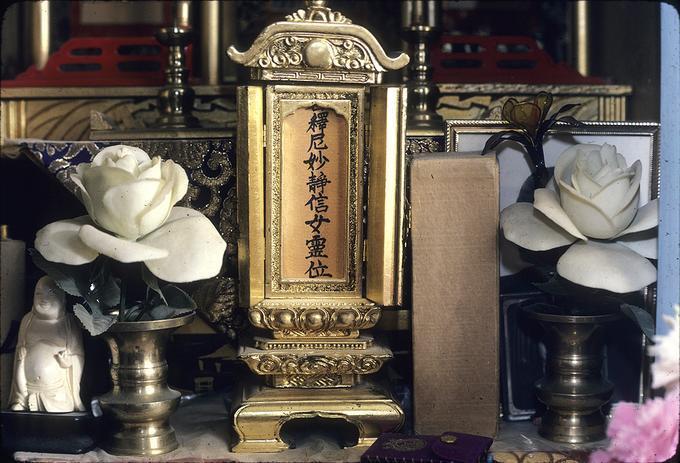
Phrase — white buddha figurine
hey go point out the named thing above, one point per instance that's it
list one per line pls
(48, 363)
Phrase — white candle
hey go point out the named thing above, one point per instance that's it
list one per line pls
(12, 306)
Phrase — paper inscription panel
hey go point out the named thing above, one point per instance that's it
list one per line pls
(314, 192)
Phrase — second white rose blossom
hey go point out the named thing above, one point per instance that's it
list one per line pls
(130, 202)
(595, 206)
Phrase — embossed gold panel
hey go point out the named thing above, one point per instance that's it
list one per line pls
(250, 191)
(386, 213)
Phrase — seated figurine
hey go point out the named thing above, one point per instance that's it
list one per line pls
(48, 363)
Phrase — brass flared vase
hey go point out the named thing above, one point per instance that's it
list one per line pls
(140, 404)
(573, 388)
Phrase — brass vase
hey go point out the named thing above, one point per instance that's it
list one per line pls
(140, 404)
(573, 388)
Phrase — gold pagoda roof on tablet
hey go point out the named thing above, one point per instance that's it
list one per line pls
(317, 44)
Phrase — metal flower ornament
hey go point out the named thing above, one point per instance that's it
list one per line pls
(531, 121)
(132, 219)
(601, 242)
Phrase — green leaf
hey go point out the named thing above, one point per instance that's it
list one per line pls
(73, 279)
(177, 298)
(497, 138)
(547, 124)
(178, 303)
(564, 109)
(161, 312)
(642, 319)
(103, 291)
(554, 286)
(570, 120)
(152, 282)
(95, 323)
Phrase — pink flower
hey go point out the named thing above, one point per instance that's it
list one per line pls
(642, 434)
(600, 456)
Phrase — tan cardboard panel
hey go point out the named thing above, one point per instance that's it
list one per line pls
(454, 211)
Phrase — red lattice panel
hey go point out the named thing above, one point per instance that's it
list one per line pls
(506, 59)
(101, 62)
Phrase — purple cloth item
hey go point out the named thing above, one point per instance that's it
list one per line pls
(449, 447)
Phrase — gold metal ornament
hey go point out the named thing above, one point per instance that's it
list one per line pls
(321, 197)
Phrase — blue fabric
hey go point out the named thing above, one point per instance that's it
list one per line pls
(58, 156)
(668, 285)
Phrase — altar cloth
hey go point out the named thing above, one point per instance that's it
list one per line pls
(203, 428)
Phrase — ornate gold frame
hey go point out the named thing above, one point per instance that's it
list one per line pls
(327, 97)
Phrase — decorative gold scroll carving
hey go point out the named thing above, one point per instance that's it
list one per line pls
(317, 39)
(311, 381)
(285, 364)
(361, 343)
(336, 53)
(338, 50)
(318, 11)
(271, 364)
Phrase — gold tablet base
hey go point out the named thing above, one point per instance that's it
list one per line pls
(262, 413)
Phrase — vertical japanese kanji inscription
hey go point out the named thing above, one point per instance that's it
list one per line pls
(314, 194)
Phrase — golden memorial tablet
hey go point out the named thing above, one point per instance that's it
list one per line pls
(321, 217)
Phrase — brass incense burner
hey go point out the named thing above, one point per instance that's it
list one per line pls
(320, 188)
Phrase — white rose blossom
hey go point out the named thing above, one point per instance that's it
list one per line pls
(595, 210)
(129, 198)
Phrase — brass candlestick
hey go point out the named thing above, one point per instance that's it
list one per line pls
(176, 98)
(421, 27)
